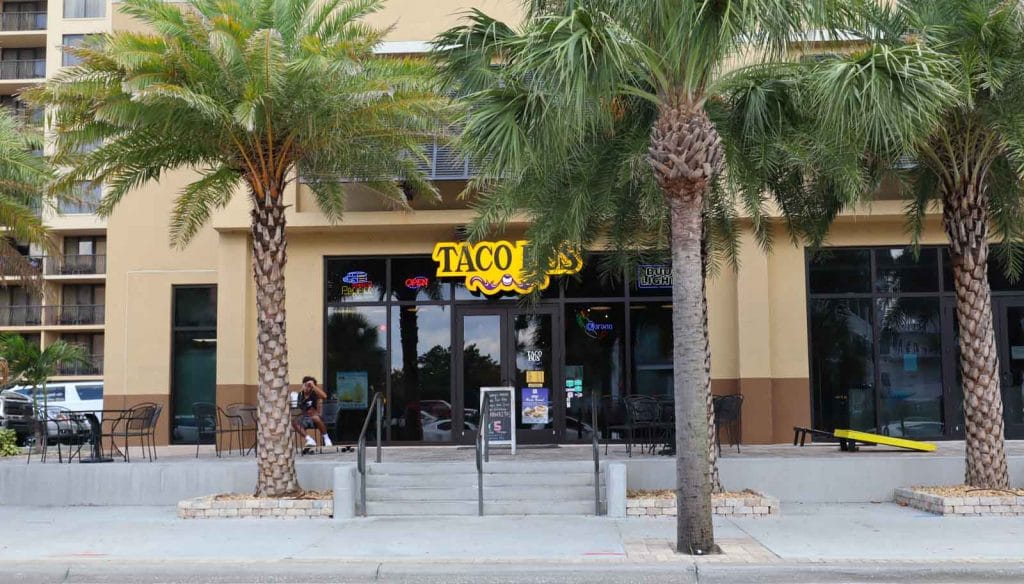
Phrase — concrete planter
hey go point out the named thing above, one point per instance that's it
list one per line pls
(747, 504)
(998, 506)
(218, 507)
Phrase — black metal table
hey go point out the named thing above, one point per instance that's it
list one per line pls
(96, 435)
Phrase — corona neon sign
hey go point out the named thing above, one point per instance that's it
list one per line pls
(493, 267)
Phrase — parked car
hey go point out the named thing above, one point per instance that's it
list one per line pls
(441, 430)
(16, 414)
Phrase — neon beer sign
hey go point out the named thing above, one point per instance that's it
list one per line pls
(493, 267)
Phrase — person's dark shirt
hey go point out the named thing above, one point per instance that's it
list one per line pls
(308, 401)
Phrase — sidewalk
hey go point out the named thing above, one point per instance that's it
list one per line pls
(814, 534)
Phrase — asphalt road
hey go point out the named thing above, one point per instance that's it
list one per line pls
(299, 572)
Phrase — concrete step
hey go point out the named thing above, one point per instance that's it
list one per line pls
(493, 467)
(515, 493)
(446, 508)
(490, 480)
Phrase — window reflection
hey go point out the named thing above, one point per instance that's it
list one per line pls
(355, 364)
(840, 271)
(651, 335)
(420, 370)
(900, 271)
(842, 366)
(593, 360)
(910, 367)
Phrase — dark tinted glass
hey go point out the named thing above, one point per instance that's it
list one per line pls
(594, 359)
(90, 392)
(354, 362)
(899, 271)
(840, 271)
(595, 280)
(651, 325)
(652, 279)
(195, 306)
(842, 365)
(420, 369)
(355, 280)
(194, 376)
(910, 367)
(414, 279)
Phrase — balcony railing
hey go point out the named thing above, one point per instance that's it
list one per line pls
(21, 315)
(27, 69)
(10, 21)
(93, 367)
(73, 314)
(445, 163)
(7, 268)
(76, 265)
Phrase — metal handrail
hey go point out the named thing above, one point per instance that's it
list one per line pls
(376, 406)
(482, 454)
(597, 453)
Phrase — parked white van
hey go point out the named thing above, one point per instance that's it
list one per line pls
(77, 396)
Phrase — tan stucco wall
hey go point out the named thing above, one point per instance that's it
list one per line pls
(417, 20)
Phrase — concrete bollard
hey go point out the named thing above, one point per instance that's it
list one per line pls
(345, 491)
(615, 488)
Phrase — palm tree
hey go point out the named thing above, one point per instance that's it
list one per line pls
(605, 123)
(32, 366)
(23, 176)
(967, 160)
(253, 95)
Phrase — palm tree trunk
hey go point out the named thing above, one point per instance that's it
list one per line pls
(276, 460)
(686, 155)
(965, 218)
(716, 481)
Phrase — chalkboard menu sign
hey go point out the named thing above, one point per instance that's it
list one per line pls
(501, 425)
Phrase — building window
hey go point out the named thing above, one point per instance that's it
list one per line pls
(85, 8)
(595, 343)
(421, 379)
(651, 334)
(27, 63)
(193, 356)
(356, 347)
(84, 201)
(71, 40)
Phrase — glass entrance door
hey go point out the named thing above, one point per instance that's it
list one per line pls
(1009, 319)
(509, 347)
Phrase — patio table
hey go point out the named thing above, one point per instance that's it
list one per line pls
(96, 434)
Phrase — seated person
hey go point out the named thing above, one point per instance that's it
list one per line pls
(309, 404)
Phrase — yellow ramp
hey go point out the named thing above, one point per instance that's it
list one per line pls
(885, 440)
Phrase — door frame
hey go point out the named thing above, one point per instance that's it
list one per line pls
(507, 315)
(1001, 327)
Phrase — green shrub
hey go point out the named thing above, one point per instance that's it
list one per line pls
(8, 443)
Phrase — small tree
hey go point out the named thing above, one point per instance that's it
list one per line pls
(32, 366)
(253, 95)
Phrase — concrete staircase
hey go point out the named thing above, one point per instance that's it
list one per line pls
(510, 488)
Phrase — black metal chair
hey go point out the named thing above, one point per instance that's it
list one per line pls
(61, 425)
(151, 429)
(133, 423)
(613, 414)
(643, 415)
(728, 409)
(242, 419)
(212, 423)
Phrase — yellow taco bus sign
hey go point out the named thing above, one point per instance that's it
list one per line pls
(493, 267)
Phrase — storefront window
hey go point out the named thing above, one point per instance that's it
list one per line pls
(594, 349)
(597, 279)
(356, 346)
(652, 279)
(899, 271)
(842, 365)
(840, 271)
(651, 336)
(910, 367)
(414, 279)
(355, 280)
(420, 370)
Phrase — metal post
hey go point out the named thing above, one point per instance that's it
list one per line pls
(380, 423)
